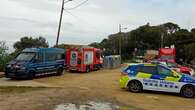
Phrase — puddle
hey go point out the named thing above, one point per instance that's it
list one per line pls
(88, 106)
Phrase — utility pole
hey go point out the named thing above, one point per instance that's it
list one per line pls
(120, 39)
(60, 22)
(162, 40)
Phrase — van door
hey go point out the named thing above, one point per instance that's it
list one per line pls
(168, 82)
(147, 74)
(50, 62)
(39, 63)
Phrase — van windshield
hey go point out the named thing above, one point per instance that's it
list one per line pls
(25, 56)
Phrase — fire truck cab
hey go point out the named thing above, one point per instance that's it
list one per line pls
(84, 59)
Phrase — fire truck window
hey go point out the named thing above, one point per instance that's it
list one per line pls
(86, 58)
(79, 61)
(74, 55)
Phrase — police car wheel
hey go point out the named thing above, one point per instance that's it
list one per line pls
(135, 86)
(188, 92)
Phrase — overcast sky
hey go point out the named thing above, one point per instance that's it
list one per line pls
(91, 22)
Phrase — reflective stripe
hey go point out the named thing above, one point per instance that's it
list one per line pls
(172, 79)
(143, 75)
(123, 81)
(149, 64)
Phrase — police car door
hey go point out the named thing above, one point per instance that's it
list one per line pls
(146, 74)
(167, 81)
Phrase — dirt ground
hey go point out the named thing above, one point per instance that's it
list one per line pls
(78, 88)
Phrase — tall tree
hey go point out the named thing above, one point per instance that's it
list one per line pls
(4, 56)
(29, 42)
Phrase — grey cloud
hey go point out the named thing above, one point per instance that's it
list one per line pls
(45, 5)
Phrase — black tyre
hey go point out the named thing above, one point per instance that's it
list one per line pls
(59, 71)
(135, 86)
(87, 69)
(31, 75)
(98, 67)
(188, 91)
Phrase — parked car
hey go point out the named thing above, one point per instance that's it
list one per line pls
(157, 77)
(36, 61)
(178, 68)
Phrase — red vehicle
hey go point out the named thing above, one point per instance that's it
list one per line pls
(83, 59)
(178, 68)
(167, 55)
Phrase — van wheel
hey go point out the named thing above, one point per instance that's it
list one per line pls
(87, 69)
(59, 71)
(31, 75)
(188, 91)
(135, 86)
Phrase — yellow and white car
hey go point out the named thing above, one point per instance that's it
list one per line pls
(156, 77)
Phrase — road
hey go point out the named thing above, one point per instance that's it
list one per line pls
(79, 88)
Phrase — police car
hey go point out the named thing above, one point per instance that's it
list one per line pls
(156, 77)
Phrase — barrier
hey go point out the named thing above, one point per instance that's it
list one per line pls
(111, 62)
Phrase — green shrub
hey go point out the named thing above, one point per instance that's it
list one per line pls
(4, 59)
(4, 56)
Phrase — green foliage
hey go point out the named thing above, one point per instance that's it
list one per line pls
(149, 37)
(29, 42)
(4, 56)
(189, 52)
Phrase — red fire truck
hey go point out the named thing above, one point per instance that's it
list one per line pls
(167, 54)
(84, 59)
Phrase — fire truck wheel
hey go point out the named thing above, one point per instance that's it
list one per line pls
(87, 69)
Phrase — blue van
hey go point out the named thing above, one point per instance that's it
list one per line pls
(36, 61)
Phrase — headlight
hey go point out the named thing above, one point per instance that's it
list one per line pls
(23, 68)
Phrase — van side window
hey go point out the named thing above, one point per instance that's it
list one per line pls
(40, 57)
(50, 56)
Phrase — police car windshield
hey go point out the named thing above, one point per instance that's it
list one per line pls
(170, 64)
(25, 56)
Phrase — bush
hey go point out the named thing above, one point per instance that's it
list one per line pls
(4, 56)
(4, 59)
